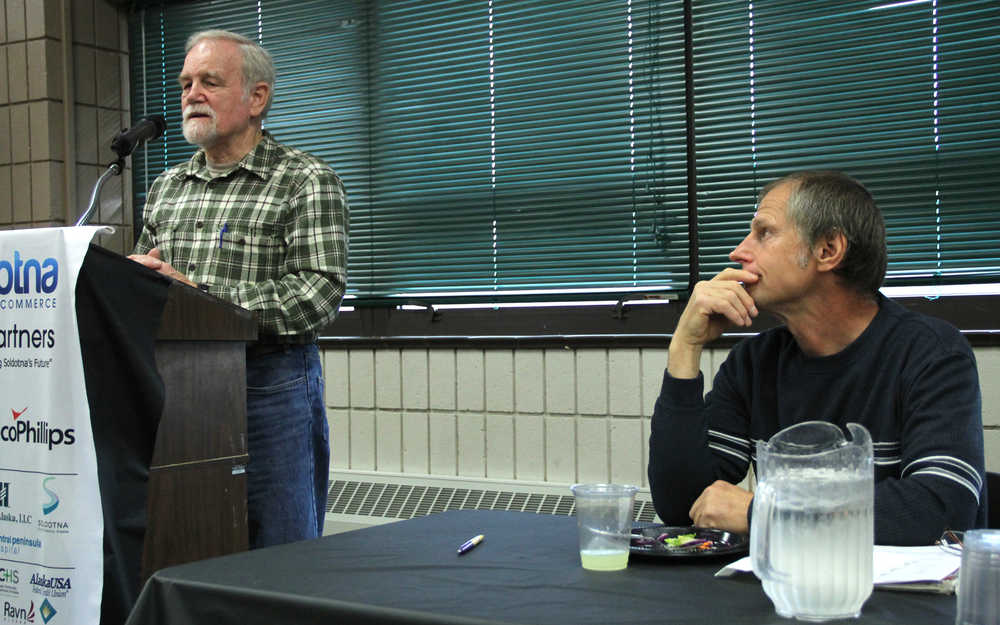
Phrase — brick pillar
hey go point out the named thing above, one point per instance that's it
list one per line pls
(63, 95)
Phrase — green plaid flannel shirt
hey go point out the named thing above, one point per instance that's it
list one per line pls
(270, 235)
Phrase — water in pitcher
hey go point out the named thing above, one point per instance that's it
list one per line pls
(814, 512)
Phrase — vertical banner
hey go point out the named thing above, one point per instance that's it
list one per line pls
(51, 528)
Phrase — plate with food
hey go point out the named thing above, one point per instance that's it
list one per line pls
(686, 542)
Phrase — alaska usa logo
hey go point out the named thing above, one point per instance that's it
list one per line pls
(30, 274)
(51, 587)
(53, 502)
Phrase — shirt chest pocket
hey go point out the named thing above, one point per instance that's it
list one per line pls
(222, 252)
(253, 253)
(249, 239)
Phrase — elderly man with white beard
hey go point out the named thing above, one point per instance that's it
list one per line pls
(264, 226)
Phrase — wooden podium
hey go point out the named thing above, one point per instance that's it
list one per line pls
(197, 498)
(165, 368)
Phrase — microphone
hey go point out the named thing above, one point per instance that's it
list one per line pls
(147, 129)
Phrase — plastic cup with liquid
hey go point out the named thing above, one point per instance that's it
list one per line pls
(604, 519)
(979, 579)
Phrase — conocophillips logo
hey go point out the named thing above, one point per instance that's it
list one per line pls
(23, 276)
(38, 433)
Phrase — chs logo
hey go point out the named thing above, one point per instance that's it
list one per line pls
(28, 275)
(8, 576)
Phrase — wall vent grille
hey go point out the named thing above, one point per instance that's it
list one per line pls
(405, 501)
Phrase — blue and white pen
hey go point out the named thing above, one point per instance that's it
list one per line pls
(470, 544)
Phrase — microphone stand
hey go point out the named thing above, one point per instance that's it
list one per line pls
(114, 169)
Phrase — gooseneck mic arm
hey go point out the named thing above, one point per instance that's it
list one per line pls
(147, 129)
(113, 169)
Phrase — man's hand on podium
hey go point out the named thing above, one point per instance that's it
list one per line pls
(153, 261)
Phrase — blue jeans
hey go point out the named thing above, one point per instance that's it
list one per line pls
(289, 447)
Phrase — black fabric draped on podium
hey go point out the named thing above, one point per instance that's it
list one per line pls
(118, 311)
(165, 371)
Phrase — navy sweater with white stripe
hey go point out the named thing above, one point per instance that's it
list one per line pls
(909, 378)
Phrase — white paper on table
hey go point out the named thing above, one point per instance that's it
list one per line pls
(892, 565)
(904, 565)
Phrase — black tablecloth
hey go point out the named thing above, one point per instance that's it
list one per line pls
(527, 570)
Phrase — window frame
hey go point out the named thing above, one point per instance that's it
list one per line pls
(626, 323)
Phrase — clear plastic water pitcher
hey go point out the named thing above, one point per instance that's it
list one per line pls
(812, 529)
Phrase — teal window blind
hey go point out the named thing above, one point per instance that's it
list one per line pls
(514, 149)
(901, 95)
(490, 149)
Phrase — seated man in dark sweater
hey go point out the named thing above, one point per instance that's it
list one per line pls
(815, 258)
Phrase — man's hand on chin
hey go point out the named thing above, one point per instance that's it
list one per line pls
(723, 506)
(713, 306)
(154, 262)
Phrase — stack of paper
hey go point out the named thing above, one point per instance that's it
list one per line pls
(923, 569)
(929, 568)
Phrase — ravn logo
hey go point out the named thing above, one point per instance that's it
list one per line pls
(30, 274)
(53, 501)
(19, 615)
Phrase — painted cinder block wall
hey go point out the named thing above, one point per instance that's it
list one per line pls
(541, 415)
